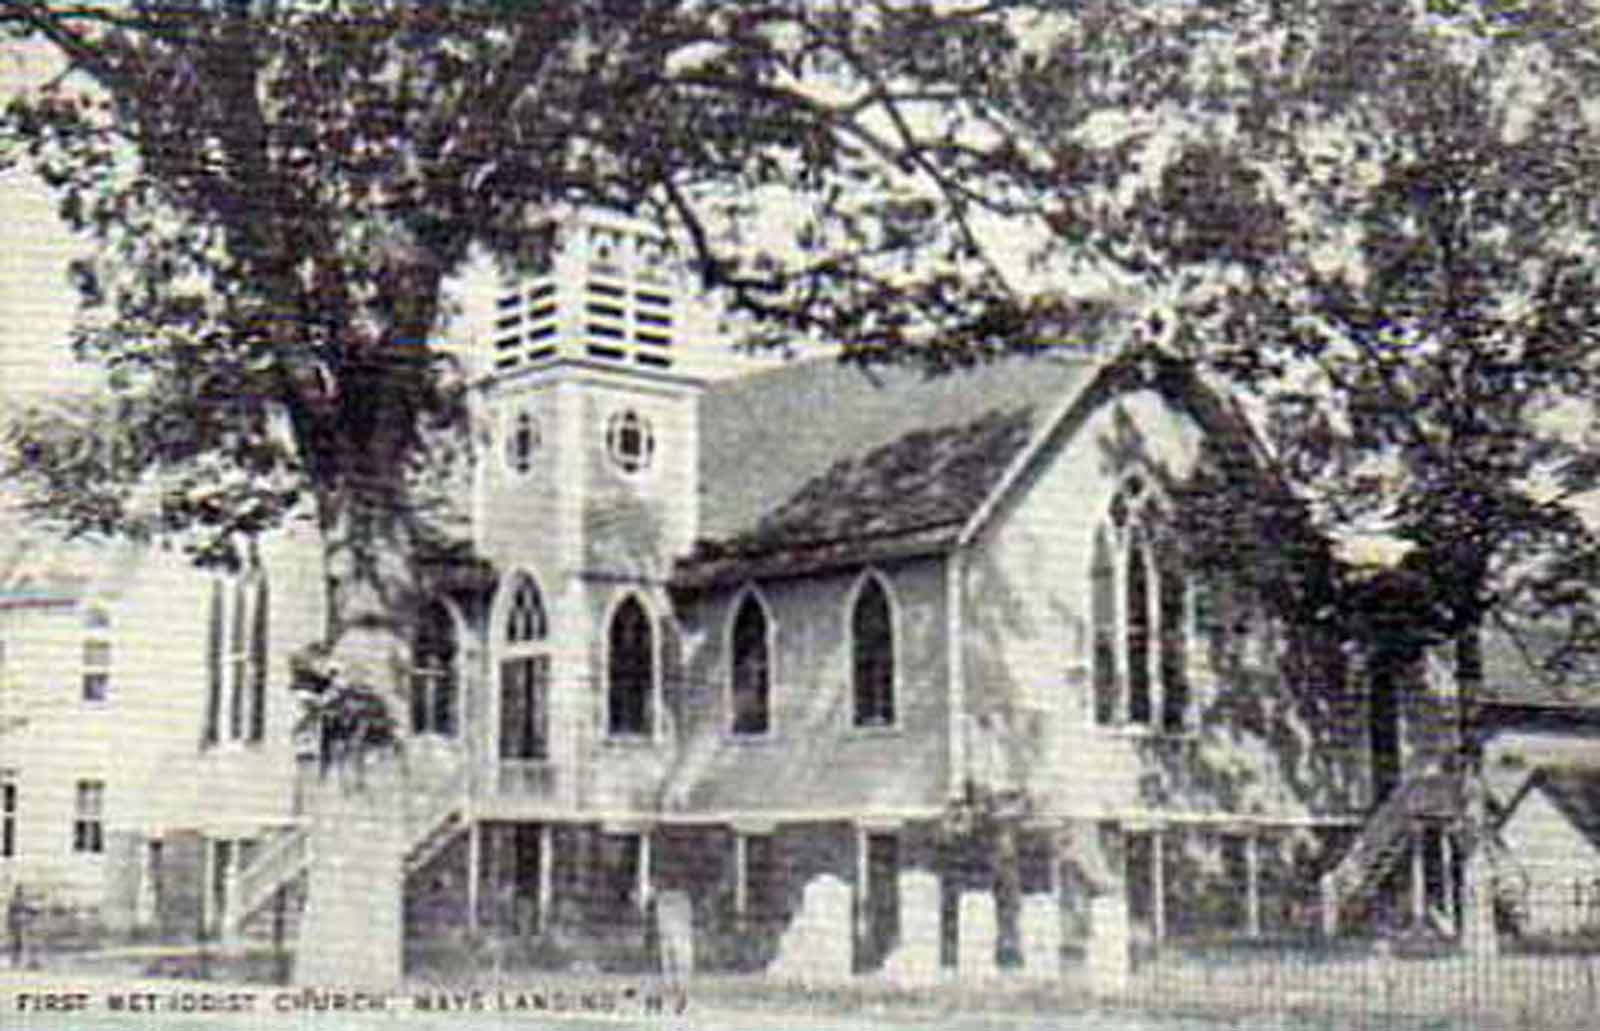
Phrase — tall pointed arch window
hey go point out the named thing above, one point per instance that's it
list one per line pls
(872, 655)
(630, 670)
(237, 658)
(1139, 609)
(751, 669)
(435, 687)
(525, 674)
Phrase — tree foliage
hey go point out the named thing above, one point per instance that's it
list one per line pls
(1377, 220)
(279, 195)
(1374, 219)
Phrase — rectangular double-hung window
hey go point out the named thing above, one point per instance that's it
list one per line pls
(8, 814)
(88, 826)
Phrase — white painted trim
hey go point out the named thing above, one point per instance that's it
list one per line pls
(458, 627)
(513, 408)
(500, 608)
(1119, 541)
(1023, 461)
(753, 828)
(751, 821)
(577, 368)
(650, 441)
(498, 651)
(1252, 891)
(239, 593)
(232, 825)
(741, 874)
(1141, 819)
(646, 886)
(547, 865)
(955, 577)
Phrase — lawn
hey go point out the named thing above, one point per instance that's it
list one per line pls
(1299, 988)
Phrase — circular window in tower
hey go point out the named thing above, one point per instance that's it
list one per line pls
(629, 441)
(522, 440)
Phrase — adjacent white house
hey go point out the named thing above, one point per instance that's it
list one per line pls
(1551, 829)
(96, 713)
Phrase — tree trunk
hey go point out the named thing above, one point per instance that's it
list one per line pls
(1478, 935)
(1469, 688)
(352, 928)
(371, 596)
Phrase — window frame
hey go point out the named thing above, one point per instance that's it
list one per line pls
(651, 702)
(629, 423)
(96, 674)
(236, 657)
(876, 580)
(430, 678)
(523, 436)
(10, 803)
(751, 598)
(238, 640)
(88, 816)
(1131, 530)
(528, 649)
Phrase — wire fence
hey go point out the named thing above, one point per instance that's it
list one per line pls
(1542, 970)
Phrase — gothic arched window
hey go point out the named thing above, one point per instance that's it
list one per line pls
(751, 672)
(1139, 612)
(525, 620)
(630, 670)
(433, 671)
(872, 655)
(525, 675)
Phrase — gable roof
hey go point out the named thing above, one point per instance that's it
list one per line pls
(1574, 791)
(39, 569)
(1518, 691)
(818, 463)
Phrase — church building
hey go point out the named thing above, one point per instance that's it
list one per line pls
(793, 645)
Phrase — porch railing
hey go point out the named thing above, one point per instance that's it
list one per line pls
(279, 861)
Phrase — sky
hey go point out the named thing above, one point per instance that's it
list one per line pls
(36, 304)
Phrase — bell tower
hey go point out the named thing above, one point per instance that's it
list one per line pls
(585, 410)
(585, 491)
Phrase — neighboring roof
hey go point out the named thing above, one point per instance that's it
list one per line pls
(1514, 681)
(818, 462)
(41, 570)
(1574, 791)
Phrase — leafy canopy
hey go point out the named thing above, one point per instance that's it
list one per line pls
(1378, 220)
(278, 195)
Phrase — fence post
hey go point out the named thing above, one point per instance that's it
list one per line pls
(1330, 906)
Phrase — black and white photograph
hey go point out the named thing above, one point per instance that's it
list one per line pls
(754, 514)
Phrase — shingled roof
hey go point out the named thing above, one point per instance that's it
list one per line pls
(818, 463)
